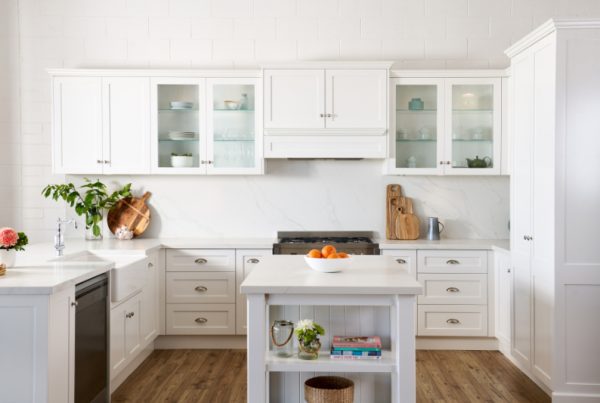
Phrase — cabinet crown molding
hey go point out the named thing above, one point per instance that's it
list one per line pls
(547, 28)
(125, 72)
(330, 65)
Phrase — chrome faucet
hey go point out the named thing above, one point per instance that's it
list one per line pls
(59, 238)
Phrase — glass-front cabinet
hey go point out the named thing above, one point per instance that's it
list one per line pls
(446, 126)
(206, 126)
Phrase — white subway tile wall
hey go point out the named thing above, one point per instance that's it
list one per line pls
(38, 34)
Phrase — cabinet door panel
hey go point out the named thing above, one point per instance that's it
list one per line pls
(132, 327)
(356, 99)
(149, 302)
(126, 112)
(294, 99)
(502, 269)
(117, 340)
(77, 125)
(246, 260)
(521, 340)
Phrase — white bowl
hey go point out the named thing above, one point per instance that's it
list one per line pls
(232, 105)
(328, 265)
(181, 161)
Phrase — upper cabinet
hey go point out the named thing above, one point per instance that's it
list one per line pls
(100, 125)
(335, 112)
(206, 126)
(448, 126)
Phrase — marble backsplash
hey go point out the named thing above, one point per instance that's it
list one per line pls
(317, 195)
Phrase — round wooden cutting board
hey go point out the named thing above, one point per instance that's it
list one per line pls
(131, 212)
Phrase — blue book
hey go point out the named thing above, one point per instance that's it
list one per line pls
(356, 353)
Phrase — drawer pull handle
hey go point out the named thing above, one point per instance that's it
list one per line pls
(452, 261)
(401, 261)
(201, 288)
(453, 321)
(200, 260)
(452, 289)
(253, 260)
(201, 320)
(130, 315)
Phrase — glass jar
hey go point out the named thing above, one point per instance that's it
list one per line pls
(310, 350)
(281, 338)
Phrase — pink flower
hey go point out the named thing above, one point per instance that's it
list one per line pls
(8, 237)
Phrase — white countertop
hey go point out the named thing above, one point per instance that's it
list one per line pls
(473, 244)
(287, 274)
(35, 271)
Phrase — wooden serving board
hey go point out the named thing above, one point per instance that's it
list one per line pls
(407, 225)
(393, 195)
(131, 212)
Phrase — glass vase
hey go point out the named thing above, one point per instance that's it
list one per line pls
(308, 351)
(89, 230)
(281, 338)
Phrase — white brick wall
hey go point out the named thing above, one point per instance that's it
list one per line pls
(37, 34)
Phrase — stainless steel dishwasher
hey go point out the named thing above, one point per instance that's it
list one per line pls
(91, 340)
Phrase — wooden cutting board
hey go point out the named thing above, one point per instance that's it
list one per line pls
(406, 225)
(393, 195)
(131, 212)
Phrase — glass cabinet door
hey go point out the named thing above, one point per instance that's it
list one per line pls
(233, 126)
(474, 125)
(419, 125)
(178, 122)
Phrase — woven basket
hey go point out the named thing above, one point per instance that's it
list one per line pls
(329, 389)
(2, 269)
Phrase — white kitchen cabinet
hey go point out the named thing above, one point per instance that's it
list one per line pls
(200, 319)
(149, 303)
(125, 334)
(503, 312)
(100, 125)
(77, 125)
(246, 260)
(326, 111)
(126, 125)
(294, 99)
(439, 123)
(38, 353)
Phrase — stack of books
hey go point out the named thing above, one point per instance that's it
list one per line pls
(356, 348)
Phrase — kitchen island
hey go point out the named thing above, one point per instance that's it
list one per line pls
(370, 281)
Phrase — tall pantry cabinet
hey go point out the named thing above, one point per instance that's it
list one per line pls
(555, 194)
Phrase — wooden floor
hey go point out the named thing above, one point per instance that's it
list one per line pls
(211, 376)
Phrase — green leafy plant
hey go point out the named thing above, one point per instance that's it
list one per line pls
(308, 331)
(90, 200)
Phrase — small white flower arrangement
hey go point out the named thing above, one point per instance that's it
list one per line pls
(308, 333)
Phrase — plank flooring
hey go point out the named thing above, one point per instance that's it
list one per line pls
(207, 376)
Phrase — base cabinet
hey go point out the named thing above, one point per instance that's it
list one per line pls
(503, 312)
(125, 334)
(246, 260)
(38, 353)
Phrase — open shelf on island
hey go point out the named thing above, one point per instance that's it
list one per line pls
(325, 364)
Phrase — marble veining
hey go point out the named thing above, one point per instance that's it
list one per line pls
(318, 195)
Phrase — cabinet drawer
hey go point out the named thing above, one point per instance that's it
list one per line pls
(406, 259)
(452, 261)
(204, 287)
(453, 289)
(200, 260)
(454, 320)
(200, 319)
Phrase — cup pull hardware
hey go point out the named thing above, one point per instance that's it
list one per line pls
(452, 289)
(201, 320)
(253, 260)
(453, 321)
(452, 261)
(200, 260)
(400, 261)
(201, 288)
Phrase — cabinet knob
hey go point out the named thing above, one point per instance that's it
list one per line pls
(401, 261)
(209, 162)
(508, 270)
(106, 161)
(201, 288)
(321, 115)
(441, 162)
(448, 163)
(130, 315)
(74, 303)
(253, 260)
(200, 260)
(150, 265)
(453, 321)
(98, 161)
(201, 320)
(452, 289)
(452, 261)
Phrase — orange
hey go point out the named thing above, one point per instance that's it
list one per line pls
(315, 253)
(333, 256)
(342, 255)
(328, 250)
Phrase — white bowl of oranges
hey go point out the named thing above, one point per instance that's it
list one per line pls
(328, 260)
